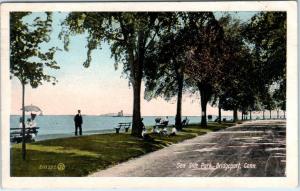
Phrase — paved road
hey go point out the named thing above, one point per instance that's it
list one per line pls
(255, 148)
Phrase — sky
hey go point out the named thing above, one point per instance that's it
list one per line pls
(98, 89)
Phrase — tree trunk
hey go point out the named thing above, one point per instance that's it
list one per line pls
(270, 114)
(137, 68)
(136, 117)
(179, 104)
(205, 94)
(283, 114)
(242, 116)
(277, 114)
(220, 115)
(136, 64)
(235, 115)
(263, 114)
(23, 123)
(203, 113)
(250, 115)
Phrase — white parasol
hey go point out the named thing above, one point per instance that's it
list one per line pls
(31, 108)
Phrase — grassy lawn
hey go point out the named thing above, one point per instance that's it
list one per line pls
(80, 156)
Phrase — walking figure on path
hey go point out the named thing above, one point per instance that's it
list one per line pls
(78, 123)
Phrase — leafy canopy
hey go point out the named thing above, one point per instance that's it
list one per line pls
(131, 35)
(27, 59)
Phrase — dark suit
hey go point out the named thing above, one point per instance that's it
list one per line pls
(78, 124)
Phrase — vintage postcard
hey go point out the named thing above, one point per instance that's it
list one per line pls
(149, 94)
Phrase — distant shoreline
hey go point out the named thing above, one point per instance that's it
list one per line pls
(124, 115)
(66, 135)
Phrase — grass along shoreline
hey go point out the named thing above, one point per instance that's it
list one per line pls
(81, 156)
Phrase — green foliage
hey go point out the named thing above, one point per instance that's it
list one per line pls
(280, 95)
(267, 34)
(166, 65)
(245, 83)
(236, 62)
(203, 66)
(234, 65)
(204, 56)
(268, 102)
(27, 60)
(267, 31)
(130, 34)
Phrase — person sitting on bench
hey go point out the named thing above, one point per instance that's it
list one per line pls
(143, 127)
(165, 121)
(173, 132)
(155, 130)
(184, 121)
(145, 135)
(157, 120)
(31, 124)
(20, 122)
(164, 131)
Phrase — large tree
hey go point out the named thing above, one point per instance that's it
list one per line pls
(131, 36)
(27, 59)
(267, 35)
(169, 78)
(204, 58)
(238, 85)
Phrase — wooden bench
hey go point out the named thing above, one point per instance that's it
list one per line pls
(126, 126)
(16, 134)
(161, 124)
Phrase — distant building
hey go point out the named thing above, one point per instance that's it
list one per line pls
(120, 114)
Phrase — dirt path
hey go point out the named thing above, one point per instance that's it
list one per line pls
(255, 148)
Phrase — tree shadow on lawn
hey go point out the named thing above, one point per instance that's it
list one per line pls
(80, 156)
(86, 154)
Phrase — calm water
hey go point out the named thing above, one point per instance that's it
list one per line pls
(53, 126)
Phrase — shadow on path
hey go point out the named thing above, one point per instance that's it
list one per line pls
(252, 149)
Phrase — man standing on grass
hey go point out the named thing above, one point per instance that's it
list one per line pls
(78, 123)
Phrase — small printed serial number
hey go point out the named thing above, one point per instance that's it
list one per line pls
(59, 166)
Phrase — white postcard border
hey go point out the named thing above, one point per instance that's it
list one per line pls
(160, 182)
